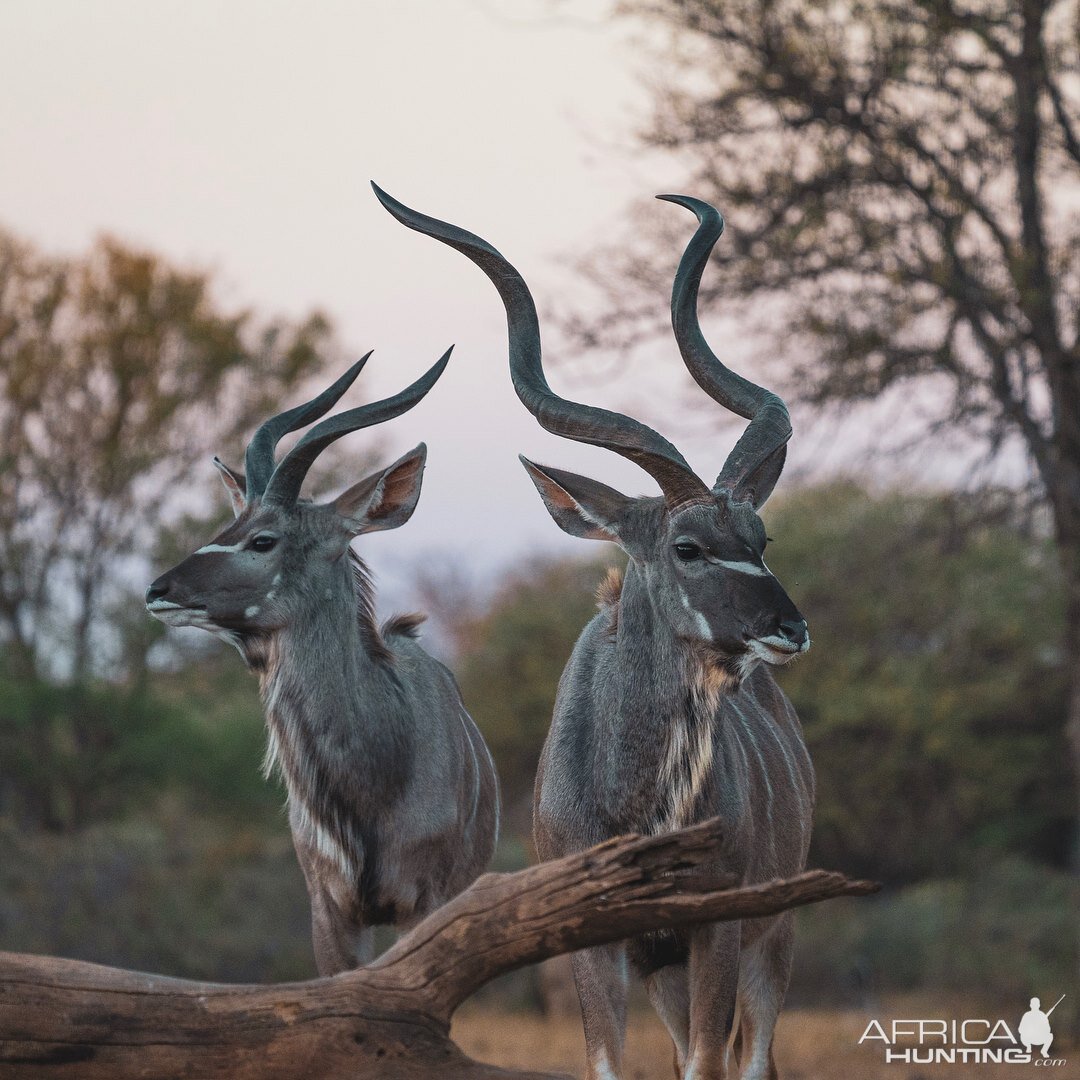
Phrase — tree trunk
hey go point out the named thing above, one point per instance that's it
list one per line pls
(1062, 482)
(65, 1018)
(1070, 565)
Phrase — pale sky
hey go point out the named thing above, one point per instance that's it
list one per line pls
(241, 136)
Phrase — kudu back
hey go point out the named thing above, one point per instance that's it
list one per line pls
(667, 713)
(392, 795)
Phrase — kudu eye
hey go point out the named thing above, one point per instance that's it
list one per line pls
(687, 552)
(262, 542)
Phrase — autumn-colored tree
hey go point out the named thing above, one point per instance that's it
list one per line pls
(118, 374)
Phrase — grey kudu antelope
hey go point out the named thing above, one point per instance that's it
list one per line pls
(392, 795)
(665, 714)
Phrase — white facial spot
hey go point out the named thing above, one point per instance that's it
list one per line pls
(747, 662)
(251, 612)
(700, 621)
(219, 549)
(270, 596)
(173, 614)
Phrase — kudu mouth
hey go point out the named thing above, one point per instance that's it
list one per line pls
(176, 614)
(776, 650)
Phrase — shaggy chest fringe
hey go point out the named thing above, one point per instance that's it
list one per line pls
(688, 758)
(325, 829)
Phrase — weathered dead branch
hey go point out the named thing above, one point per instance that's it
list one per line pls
(66, 1018)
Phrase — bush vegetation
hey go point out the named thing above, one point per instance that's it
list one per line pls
(136, 828)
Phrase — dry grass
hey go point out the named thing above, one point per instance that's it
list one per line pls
(811, 1044)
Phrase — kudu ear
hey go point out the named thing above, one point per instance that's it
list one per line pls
(385, 499)
(235, 484)
(578, 505)
(758, 485)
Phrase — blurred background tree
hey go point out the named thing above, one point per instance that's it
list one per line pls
(518, 645)
(933, 703)
(899, 175)
(117, 373)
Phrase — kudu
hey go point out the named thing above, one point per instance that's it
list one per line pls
(665, 714)
(392, 795)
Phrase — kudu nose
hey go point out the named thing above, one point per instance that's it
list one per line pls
(794, 630)
(157, 591)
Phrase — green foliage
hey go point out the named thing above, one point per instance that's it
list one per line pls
(1006, 929)
(933, 694)
(71, 755)
(929, 699)
(170, 891)
(118, 373)
(185, 895)
(899, 177)
(75, 753)
(512, 657)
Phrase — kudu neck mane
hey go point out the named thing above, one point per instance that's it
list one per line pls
(658, 744)
(332, 696)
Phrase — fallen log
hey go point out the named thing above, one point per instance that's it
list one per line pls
(391, 1019)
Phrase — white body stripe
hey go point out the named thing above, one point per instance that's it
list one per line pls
(746, 730)
(785, 753)
(325, 844)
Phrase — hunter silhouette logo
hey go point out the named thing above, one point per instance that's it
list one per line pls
(1034, 1027)
(970, 1042)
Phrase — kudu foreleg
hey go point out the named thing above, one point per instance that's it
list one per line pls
(600, 975)
(669, 992)
(340, 943)
(764, 972)
(714, 983)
